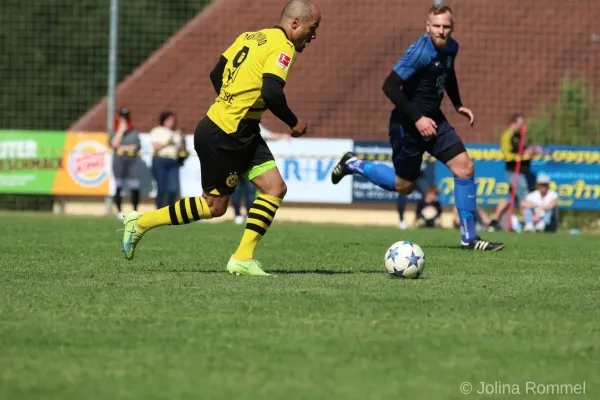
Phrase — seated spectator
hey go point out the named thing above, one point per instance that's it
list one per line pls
(539, 207)
(429, 209)
(499, 220)
(482, 220)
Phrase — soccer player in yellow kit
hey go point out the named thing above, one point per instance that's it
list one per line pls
(249, 79)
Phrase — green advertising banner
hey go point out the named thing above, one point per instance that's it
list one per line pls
(30, 160)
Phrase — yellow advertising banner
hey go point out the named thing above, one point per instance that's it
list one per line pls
(85, 167)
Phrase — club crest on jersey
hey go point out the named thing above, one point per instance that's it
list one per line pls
(284, 61)
(232, 180)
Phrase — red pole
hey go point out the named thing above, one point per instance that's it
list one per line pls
(513, 192)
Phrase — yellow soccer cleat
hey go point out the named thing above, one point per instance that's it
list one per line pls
(246, 267)
(132, 235)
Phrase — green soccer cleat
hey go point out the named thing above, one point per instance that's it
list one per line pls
(246, 267)
(132, 235)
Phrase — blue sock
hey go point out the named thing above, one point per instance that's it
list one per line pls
(466, 203)
(379, 174)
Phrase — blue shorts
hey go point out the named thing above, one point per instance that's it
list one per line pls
(408, 147)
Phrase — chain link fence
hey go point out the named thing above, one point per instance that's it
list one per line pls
(515, 56)
(54, 58)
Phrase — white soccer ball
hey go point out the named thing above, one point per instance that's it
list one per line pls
(405, 259)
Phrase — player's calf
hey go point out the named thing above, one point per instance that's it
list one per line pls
(260, 217)
(272, 189)
(181, 212)
(465, 197)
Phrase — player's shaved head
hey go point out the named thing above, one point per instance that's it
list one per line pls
(301, 9)
(300, 20)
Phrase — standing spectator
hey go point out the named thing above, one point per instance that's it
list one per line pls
(419, 193)
(167, 143)
(509, 144)
(245, 187)
(401, 201)
(539, 207)
(126, 145)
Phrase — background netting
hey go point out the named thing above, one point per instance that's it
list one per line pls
(540, 58)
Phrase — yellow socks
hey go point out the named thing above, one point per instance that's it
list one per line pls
(183, 211)
(260, 217)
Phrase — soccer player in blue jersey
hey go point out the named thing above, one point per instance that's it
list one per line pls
(416, 86)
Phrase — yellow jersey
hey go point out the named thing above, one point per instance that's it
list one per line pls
(509, 145)
(253, 54)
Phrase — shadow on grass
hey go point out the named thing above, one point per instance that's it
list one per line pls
(443, 246)
(458, 248)
(271, 271)
(323, 272)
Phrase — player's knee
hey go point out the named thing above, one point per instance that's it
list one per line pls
(277, 189)
(405, 187)
(282, 190)
(465, 170)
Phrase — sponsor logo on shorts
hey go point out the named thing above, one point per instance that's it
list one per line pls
(232, 180)
(87, 163)
(284, 61)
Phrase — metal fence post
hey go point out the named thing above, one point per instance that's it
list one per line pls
(112, 77)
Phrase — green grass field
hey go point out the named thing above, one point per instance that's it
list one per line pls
(77, 321)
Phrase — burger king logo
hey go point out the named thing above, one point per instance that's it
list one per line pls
(87, 163)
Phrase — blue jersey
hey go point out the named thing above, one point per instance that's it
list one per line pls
(424, 69)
